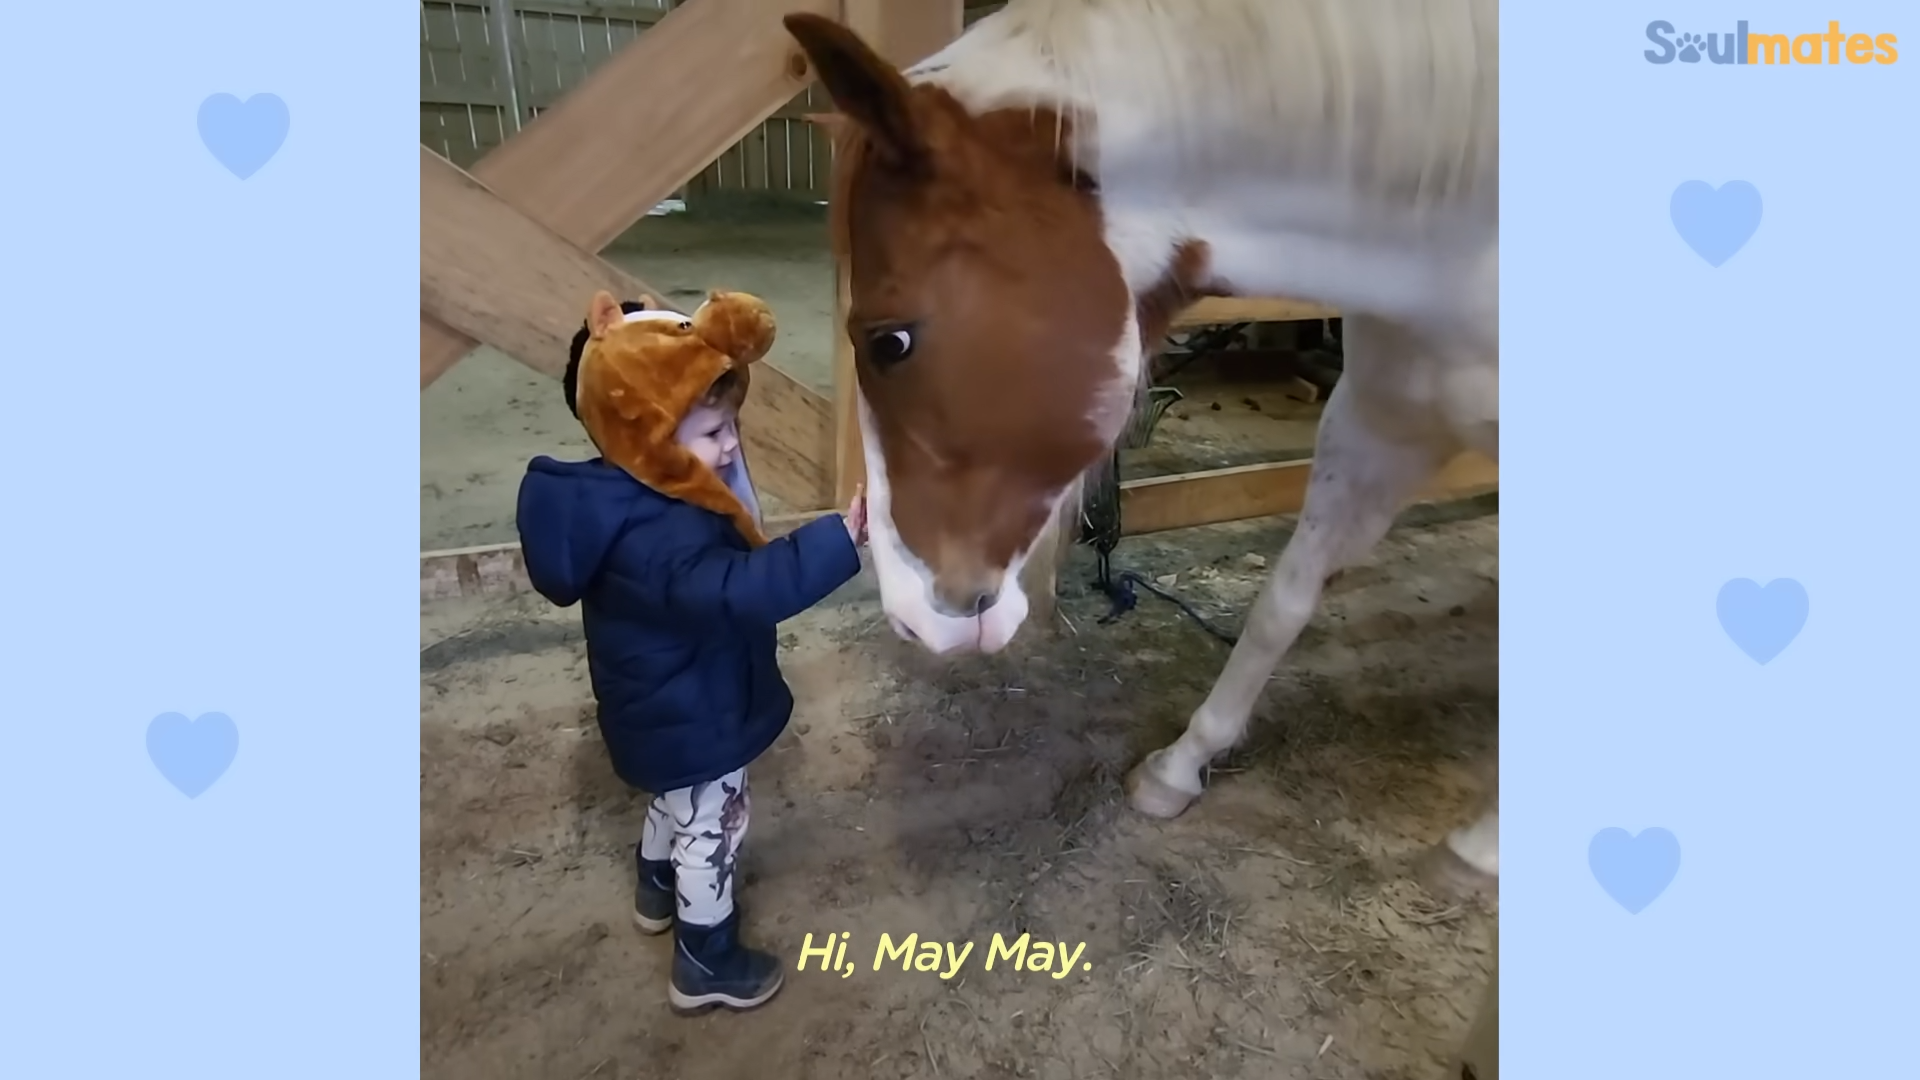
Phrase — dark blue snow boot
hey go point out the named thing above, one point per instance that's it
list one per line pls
(653, 902)
(711, 967)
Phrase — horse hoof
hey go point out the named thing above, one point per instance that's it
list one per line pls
(1447, 876)
(1153, 796)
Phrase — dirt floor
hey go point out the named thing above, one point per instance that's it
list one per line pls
(1274, 930)
(482, 421)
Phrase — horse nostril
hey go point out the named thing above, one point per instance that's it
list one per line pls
(966, 602)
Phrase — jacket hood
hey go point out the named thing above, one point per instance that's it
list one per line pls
(570, 515)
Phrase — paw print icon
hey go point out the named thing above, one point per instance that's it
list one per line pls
(1690, 46)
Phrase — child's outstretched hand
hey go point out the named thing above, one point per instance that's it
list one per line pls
(857, 517)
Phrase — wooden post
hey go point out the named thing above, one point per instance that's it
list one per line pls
(904, 32)
(1041, 577)
(849, 467)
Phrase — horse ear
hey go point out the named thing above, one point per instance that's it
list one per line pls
(865, 89)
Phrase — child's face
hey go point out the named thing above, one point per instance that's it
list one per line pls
(710, 433)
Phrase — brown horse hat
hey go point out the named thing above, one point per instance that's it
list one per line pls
(641, 372)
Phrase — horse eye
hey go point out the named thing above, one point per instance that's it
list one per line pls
(890, 346)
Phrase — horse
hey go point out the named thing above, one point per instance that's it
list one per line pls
(1023, 212)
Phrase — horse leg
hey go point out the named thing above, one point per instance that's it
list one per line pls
(1361, 477)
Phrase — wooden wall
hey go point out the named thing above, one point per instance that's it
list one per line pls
(471, 89)
(474, 93)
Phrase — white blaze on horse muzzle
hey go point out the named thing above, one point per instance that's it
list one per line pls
(906, 583)
(907, 595)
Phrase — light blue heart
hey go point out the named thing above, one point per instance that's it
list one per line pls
(192, 754)
(243, 137)
(1634, 870)
(1762, 621)
(1715, 224)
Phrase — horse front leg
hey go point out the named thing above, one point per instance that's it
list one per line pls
(1360, 479)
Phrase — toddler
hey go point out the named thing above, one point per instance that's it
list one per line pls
(680, 613)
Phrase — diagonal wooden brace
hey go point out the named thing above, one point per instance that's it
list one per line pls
(504, 258)
(593, 164)
(493, 274)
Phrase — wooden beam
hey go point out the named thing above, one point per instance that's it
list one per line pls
(487, 570)
(645, 122)
(1215, 310)
(435, 361)
(495, 275)
(1041, 576)
(652, 116)
(1153, 505)
(501, 570)
(787, 428)
(903, 32)
(1250, 491)
(849, 467)
(490, 273)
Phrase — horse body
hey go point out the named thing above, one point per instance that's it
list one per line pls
(1345, 150)
(1025, 210)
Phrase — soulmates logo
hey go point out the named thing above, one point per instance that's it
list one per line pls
(1742, 47)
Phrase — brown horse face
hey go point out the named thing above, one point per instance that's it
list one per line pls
(994, 338)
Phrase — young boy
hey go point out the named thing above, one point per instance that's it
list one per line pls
(679, 613)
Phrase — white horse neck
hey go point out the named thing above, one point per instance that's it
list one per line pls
(1342, 151)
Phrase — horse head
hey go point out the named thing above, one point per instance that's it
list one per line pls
(995, 342)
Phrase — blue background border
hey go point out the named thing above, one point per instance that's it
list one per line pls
(212, 433)
(212, 442)
(1669, 426)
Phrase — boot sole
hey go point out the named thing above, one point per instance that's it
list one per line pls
(693, 1004)
(652, 926)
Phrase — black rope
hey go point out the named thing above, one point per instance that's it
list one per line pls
(1120, 590)
(1100, 513)
(1198, 344)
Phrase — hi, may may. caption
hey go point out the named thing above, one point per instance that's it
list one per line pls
(946, 958)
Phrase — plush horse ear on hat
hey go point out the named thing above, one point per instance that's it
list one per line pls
(642, 370)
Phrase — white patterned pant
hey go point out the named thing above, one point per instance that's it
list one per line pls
(699, 828)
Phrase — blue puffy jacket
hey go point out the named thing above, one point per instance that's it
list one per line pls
(679, 613)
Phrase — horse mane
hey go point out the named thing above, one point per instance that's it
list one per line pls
(1397, 99)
